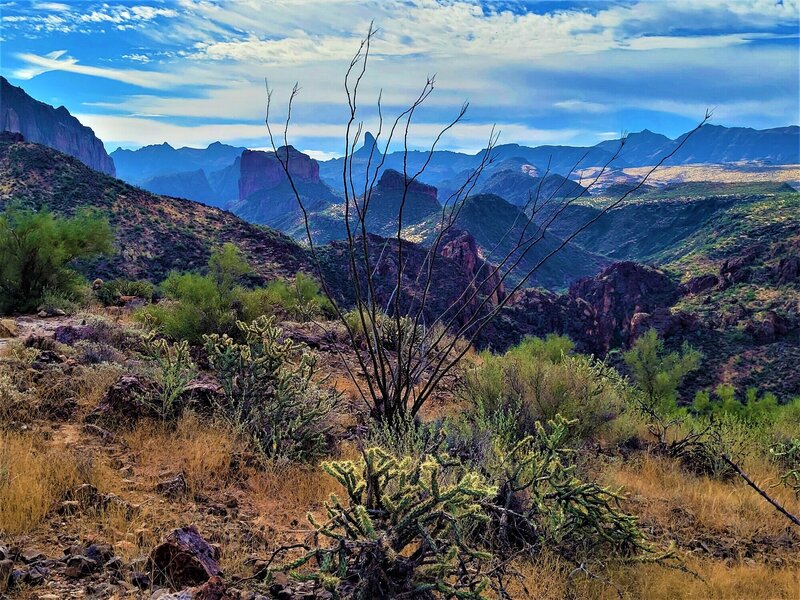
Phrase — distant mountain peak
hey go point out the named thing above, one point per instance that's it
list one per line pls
(394, 180)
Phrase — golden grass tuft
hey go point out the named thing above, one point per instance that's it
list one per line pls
(34, 478)
(203, 451)
(552, 578)
(662, 493)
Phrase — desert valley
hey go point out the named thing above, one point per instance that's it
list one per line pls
(396, 370)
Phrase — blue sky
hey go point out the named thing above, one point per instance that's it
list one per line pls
(191, 72)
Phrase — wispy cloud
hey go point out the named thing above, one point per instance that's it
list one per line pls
(56, 61)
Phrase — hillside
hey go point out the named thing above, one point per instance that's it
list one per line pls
(158, 234)
(497, 226)
(154, 234)
(192, 185)
(730, 279)
(520, 188)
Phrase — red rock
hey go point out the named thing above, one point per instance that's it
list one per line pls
(184, 559)
(263, 171)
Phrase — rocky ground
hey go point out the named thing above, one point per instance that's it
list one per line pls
(181, 511)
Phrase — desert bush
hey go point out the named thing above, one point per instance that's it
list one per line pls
(201, 304)
(402, 531)
(14, 402)
(787, 455)
(36, 249)
(271, 402)
(92, 353)
(539, 379)
(657, 373)
(542, 503)
(299, 299)
(408, 437)
(108, 293)
(390, 334)
(67, 301)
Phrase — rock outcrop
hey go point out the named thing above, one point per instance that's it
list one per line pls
(462, 248)
(184, 559)
(263, 170)
(266, 196)
(599, 313)
(54, 127)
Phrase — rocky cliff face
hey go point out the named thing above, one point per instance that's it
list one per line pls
(393, 182)
(263, 171)
(54, 127)
(266, 196)
(599, 313)
(462, 248)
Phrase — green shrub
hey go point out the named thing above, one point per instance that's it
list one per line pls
(299, 299)
(36, 249)
(658, 374)
(541, 503)
(753, 407)
(268, 400)
(201, 304)
(425, 525)
(108, 293)
(539, 379)
(172, 369)
(68, 302)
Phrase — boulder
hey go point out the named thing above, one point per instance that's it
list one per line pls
(8, 328)
(787, 270)
(184, 559)
(213, 589)
(698, 284)
(203, 393)
(123, 401)
(174, 487)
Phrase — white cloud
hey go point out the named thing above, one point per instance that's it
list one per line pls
(36, 65)
(581, 106)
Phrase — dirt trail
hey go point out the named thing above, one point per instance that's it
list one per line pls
(29, 325)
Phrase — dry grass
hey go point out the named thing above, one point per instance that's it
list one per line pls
(202, 451)
(548, 578)
(290, 487)
(663, 494)
(35, 476)
(719, 581)
(93, 382)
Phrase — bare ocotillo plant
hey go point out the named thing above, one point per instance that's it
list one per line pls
(398, 378)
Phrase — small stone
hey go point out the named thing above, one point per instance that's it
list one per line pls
(6, 569)
(79, 566)
(140, 580)
(173, 488)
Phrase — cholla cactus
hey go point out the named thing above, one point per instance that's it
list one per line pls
(788, 455)
(173, 370)
(402, 530)
(542, 502)
(268, 399)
